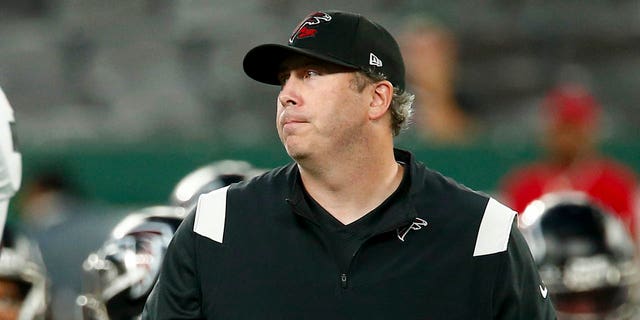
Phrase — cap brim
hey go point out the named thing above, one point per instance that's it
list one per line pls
(263, 63)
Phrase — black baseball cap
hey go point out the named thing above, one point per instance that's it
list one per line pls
(343, 38)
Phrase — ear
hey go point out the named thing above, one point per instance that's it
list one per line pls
(380, 99)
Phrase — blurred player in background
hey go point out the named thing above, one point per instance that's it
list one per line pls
(585, 255)
(572, 161)
(10, 159)
(23, 279)
(120, 275)
(430, 52)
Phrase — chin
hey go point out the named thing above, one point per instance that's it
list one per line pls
(296, 154)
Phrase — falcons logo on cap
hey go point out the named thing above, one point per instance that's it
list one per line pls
(303, 31)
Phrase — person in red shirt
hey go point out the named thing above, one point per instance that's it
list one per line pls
(572, 160)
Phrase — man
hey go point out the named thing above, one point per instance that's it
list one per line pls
(353, 229)
(572, 161)
(10, 159)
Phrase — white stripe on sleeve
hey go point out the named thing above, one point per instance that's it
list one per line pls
(493, 235)
(211, 214)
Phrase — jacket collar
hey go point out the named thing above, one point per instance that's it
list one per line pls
(399, 208)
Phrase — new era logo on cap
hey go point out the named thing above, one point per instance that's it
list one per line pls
(374, 61)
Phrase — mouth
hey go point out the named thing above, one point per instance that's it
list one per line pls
(291, 121)
(291, 126)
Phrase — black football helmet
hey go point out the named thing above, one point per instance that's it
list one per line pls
(120, 275)
(24, 286)
(585, 256)
(207, 178)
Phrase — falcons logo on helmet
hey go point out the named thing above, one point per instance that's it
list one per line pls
(303, 29)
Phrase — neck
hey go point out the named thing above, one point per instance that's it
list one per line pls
(351, 185)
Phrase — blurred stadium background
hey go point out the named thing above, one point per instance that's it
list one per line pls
(126, 97)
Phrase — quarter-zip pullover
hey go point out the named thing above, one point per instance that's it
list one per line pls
(433, 250)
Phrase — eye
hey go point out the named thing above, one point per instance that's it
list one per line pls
(311, 73)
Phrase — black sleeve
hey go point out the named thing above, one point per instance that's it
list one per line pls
(176, 294)
(519, 292)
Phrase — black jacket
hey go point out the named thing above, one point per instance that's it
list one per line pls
(440, 251)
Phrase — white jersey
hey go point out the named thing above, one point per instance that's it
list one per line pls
(10, 159)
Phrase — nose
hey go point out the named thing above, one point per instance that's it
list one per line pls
(289, 94)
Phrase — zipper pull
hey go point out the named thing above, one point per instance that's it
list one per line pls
(343, 280)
